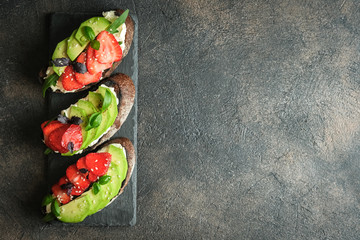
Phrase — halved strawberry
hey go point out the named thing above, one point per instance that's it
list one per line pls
(86, 78)
(55, 139)
(74, 135)
(98, 163)
(75, 177)
(110, 50)
(49, 128)
(68, 80)
(92, 65)
(60, 194)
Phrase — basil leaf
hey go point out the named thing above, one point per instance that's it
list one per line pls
(117, 23)
(62, 118)
(94, 121)
(96, 188)
(120, 42)
(107, 100)
(50, 81)
(47, 199)
(55, 208)
(95, 44)
(48, 151)
(48, 217)
(70, 147)
(61, 62)
(79, 67)
(89, 33)
(104, 179)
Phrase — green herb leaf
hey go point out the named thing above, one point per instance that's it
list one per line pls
(95, 44)
(48, 151)
(55, 208)
(96, 188)
(120, 42)
(50, 81)
(104, 179)
(107, 100)
(117, 23)
(47, 199)
(48, 217)
(89, 33)
(94, 121)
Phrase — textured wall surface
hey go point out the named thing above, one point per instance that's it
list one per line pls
(248, 119)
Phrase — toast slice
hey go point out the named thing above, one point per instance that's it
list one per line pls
(130, 28)
(122, 88)
(77, 208)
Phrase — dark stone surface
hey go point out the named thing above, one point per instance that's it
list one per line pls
(248, 120)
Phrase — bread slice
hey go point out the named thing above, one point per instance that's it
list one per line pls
(130, 29)
(124, 89)
(131, 160)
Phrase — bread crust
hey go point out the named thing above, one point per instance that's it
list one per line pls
(130, 28)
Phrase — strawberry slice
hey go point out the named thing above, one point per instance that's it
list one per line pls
(110, 50)
(63, 181)
(92, 65)
(81, 166)
(92, 177)
(68, 80)
(75, 177)
(98, 163)
(50, 128)
(72, 135)
(55, 139)
(60, 194)
(76, 191)
(86, 78)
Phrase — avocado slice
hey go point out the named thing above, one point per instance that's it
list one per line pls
(107, 191)
(89, 203)
(112, 109)
(76, 210)
(103, 125)
(97, 24)
(89, 109)
(60, 52)
(74, 48)
(87, 106)
(118, 157)
(96, 99)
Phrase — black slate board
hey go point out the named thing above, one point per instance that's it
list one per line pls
(122, 212)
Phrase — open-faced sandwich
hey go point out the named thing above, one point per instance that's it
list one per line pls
(92, 183)
(91, 53)
(91, 120)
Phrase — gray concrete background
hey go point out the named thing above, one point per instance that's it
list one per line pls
(248, 120)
